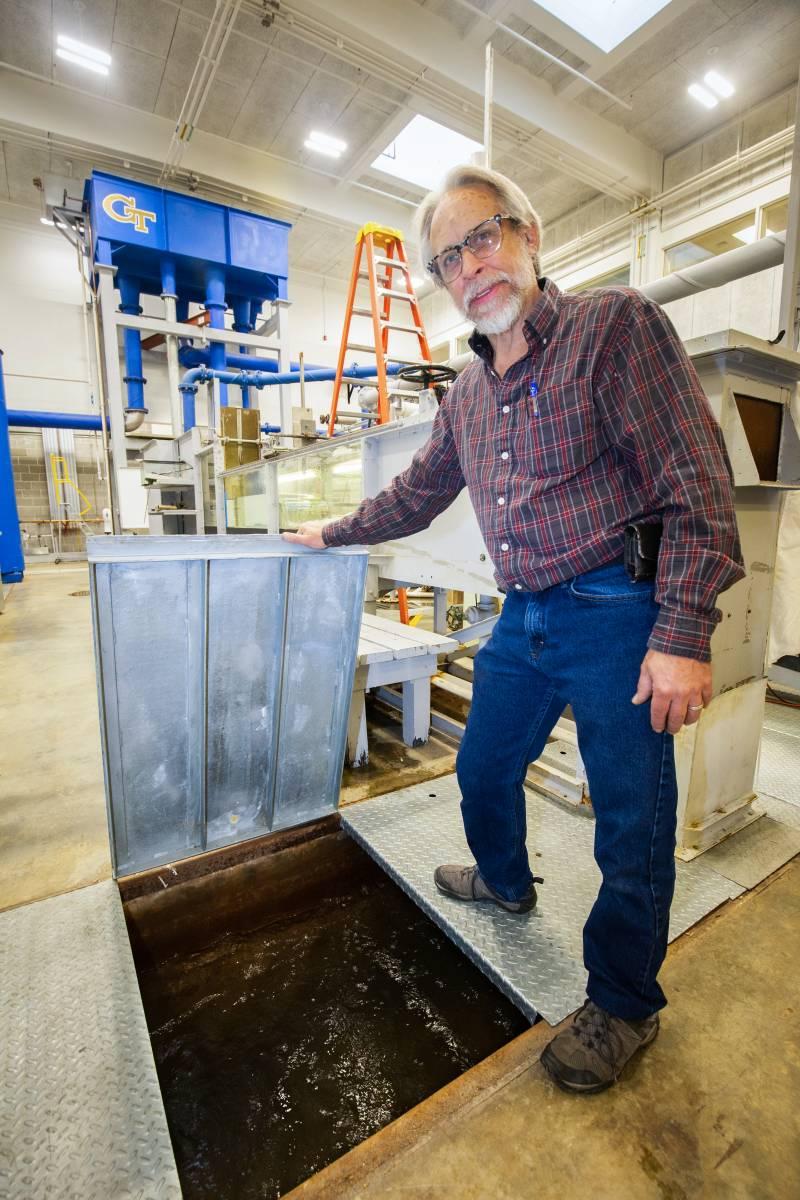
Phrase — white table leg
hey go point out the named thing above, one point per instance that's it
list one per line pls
(416, 710)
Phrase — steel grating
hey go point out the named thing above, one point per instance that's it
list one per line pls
(80, 1108)
(537, 959)
(225, 671)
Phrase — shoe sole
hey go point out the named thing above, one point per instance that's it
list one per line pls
(522, 908)
(589, 1089)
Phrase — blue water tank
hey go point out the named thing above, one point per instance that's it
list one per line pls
(135, 226)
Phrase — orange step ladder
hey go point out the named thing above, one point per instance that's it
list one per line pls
(379, 254)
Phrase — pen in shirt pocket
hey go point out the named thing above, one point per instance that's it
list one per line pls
(533, 392)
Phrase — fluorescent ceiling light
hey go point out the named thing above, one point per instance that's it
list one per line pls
(88, 63)
(347, 468)
(83, 55)
(417, 283)
(605, 23)
(46, 221)
(83, 50)
(702, 95)
(424, 152)
(718, 84)
(323, 143)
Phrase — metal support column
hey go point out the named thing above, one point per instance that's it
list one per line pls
(284, 394)
(116, 403)
(791, 260)
(12, 563)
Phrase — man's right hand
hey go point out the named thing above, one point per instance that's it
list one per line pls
(308, 534)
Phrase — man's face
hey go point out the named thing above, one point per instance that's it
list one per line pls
(491, 292)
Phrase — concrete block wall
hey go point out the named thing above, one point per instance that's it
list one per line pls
(30, 482)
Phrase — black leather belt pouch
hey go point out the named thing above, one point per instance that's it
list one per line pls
(642, 540)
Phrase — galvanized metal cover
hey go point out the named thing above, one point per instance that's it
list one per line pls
(225, 670)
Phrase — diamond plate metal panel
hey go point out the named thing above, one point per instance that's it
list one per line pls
(779, 760)
(225, 668)
(537, 959)
(80, 1108)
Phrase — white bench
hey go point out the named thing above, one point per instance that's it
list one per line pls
(392, 653)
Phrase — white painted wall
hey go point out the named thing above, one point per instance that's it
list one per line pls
(40, 316)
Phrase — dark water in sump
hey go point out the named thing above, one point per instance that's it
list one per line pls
(280, 1048)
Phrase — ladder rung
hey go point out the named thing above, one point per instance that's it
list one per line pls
(393, 262)
(380, 282)
(360, 346)
(362, 312)
(403, 328)
(409, 362)
(396, 295)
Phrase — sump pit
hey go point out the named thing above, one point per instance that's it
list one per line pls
(297, 1003)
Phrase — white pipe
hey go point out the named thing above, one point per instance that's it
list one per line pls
(488, 97)
(713, 272)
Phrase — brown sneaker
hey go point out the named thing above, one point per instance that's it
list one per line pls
(465, 883)
(589, 1056)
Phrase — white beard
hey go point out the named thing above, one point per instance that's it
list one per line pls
(521, 283)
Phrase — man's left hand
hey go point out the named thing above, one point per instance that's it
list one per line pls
(678, 689)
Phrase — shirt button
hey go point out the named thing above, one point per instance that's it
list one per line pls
(501, 499)
(506, 408)
(544, 341)
(504, 546)
(518, 586)
(504, 455)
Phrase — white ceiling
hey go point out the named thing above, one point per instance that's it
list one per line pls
(312, 69)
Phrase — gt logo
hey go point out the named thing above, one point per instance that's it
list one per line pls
(128, 213)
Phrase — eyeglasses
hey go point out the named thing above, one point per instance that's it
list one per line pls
(482, 241)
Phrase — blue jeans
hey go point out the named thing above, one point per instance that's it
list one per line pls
(579, 643)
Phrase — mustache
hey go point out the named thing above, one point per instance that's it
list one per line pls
(483, 284)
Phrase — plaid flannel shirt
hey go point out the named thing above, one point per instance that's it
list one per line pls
(601, 423)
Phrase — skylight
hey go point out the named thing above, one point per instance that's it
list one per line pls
(424, 152)
(606, 23)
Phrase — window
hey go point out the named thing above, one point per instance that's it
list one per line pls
(712, 242)
(775, 217)
(621, 277)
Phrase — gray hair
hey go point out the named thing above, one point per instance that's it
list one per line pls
(511, 201)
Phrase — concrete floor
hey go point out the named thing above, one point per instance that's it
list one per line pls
(711, 1110)
(53, 834)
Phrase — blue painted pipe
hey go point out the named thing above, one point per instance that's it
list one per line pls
(22, 418)
(215, 306)
(197, 356)
(12, 561)
(261, 379)
(133, 378)
(241, 324)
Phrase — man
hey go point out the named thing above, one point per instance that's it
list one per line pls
(580, 415)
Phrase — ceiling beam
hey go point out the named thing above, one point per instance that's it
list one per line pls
(412, 33)
(68, 113)
(391, 127)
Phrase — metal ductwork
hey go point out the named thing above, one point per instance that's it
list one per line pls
(714, 272)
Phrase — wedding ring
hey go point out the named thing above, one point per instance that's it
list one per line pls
(695, 707)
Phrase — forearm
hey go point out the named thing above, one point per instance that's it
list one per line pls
(411, 501)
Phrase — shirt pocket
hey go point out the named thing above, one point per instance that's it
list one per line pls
(563, 430)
